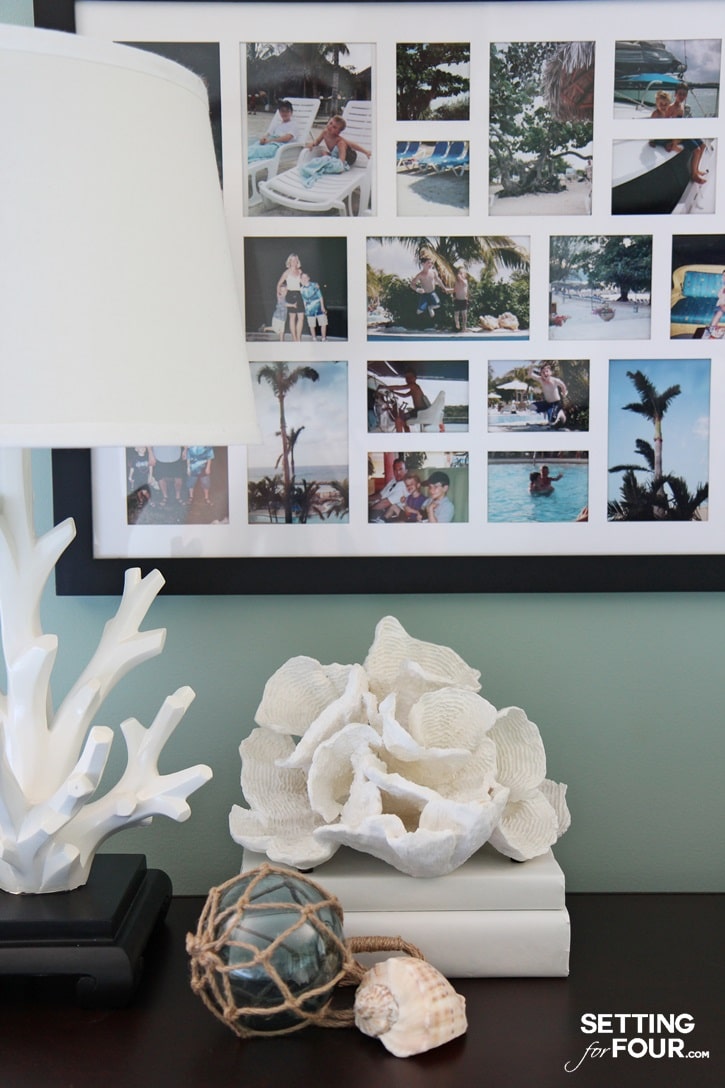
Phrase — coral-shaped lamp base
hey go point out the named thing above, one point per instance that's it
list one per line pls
(52, 820)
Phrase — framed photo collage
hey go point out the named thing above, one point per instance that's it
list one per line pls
(481, 262)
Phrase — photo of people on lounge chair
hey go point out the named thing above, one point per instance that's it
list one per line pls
(280, 143)
(314, 171)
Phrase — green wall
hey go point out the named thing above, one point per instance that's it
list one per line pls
(626, 689)
(16, 11)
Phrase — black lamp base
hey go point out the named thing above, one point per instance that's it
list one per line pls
(96, 934)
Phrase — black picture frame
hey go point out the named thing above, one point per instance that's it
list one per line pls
(78, 572)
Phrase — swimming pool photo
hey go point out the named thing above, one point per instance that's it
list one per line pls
(510, 498)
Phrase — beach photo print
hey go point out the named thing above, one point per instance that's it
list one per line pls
(541, 128)
(432, 177)
(299, 473)
(659, 440)
(472, 287)
(600, 287)
(309, 128)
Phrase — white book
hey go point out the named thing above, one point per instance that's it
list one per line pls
(487, 881)
(475, 944)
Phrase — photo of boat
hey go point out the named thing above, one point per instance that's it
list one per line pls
(663, 177)
(634, 57)
(642, 68)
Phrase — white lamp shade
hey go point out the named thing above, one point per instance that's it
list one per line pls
(119, 313)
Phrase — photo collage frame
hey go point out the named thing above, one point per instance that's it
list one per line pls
(468, 269)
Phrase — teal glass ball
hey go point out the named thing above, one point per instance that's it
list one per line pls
(306, 958)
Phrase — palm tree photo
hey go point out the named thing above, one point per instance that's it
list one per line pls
(647, 491)
(496, 268)
(281, 379)
(293, 473)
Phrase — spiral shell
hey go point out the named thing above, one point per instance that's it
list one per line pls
(409, 1005)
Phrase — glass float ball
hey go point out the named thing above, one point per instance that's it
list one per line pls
(306, 958)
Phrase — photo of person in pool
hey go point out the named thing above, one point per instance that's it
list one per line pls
(542, 483)
(544, 487)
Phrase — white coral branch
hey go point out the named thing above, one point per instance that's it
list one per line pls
(26, 562)
(122, 646)
(51, 821)
(142, 792)
(44, 821)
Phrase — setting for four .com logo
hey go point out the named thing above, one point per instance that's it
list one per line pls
(637, 1035)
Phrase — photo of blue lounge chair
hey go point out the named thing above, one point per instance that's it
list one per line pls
(437, 156)
(432, 177)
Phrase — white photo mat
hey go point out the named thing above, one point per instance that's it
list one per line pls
(382, 26)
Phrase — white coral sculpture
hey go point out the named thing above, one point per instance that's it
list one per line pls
(400, 757)
(52, 820)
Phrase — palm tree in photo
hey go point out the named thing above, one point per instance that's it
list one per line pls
(306, 498)
(335, 50)
(684, 505)
(377, 283)
(281, 380)
(637, 501)
(666, 497)
(653, 406)
(293, 435)
(493, 252)
(340, 505)
(265, 494)
(634, 502)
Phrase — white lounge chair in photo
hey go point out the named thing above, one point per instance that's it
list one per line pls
(429, 419)
(304, 112)
(329, 192)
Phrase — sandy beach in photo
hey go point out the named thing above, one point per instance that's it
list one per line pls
(574, 199)
(631, 321)
(432, 193)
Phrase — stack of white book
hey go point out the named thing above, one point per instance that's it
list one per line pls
(492, 917)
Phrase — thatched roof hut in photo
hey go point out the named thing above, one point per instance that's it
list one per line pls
(301, 71)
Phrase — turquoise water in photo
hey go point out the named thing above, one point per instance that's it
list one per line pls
(509, 498)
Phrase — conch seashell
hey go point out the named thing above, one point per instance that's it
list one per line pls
(409, 1005)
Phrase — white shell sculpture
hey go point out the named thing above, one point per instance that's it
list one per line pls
(52, 820)
(409, 1005)
(400, 758)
